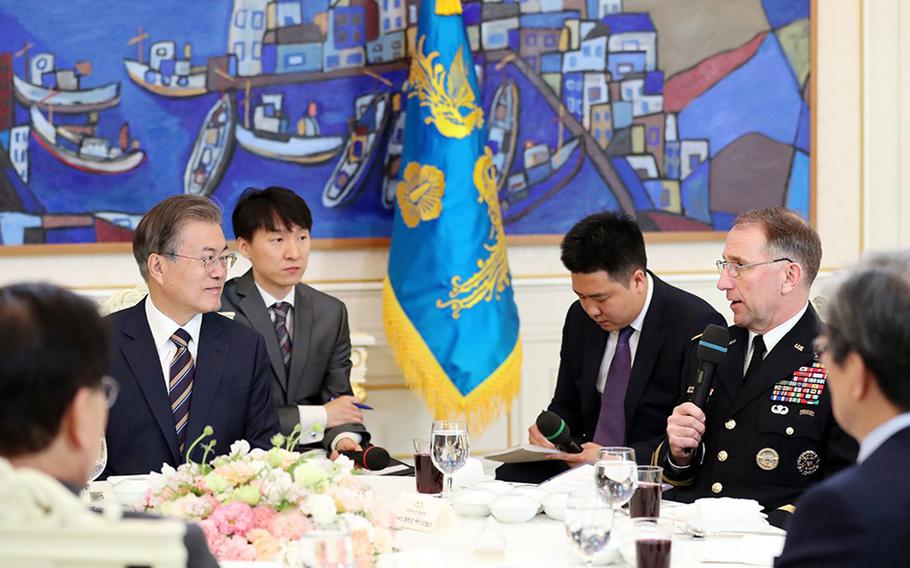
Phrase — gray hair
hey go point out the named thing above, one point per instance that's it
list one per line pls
(869, 314)
(789, 236)
(159, 231)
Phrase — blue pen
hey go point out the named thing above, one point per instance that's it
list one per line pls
(363, 406)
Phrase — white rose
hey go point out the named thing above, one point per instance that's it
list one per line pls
(322, 508)
(240, 448)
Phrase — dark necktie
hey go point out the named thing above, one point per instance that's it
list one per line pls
(180, 386)
(758, 355)
(611, 423)
(280, 310)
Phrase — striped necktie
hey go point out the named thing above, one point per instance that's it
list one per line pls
(180, 388)
(280, 311)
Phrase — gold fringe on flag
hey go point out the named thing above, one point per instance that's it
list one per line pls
(423, 373)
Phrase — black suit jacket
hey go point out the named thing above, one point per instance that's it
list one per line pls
(858, 518)
(320, 351)
(801, 443)
(673, 318)
(231, 393)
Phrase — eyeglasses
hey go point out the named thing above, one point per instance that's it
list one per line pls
(734, 269)
(209, 263)
(110, 388)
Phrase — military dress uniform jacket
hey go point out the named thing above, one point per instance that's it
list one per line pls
(767, 439)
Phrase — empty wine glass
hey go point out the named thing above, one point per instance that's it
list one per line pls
(100, 461)
(589, 520)
(616, 474)
(449, 451)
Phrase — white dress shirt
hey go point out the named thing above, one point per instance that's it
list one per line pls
(772, 338)
(313, 417)
(613, 339)
(163, 328)
(880, 435)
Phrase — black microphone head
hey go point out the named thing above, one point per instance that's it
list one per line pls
(550, 424)
(712, 346)
(375, 458)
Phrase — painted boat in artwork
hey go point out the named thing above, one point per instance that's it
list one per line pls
(213, 148)
(541, 180)
(503, 120)
(358, 156)
(167, 85)
(94, 155)
(392, 167)
(271, 138)
(67, 101)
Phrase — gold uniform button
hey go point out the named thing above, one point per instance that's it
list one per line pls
(730, 424)
(790, 430)
(722, 456)
(717, 488)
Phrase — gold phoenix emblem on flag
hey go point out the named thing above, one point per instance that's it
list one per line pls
(420, 193)
(492, 276)
(444, 94)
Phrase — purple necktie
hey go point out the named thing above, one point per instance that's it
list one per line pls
(180, 387)
(281, 310)
(611, 423)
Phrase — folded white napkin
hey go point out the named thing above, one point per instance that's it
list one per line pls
(725, 515)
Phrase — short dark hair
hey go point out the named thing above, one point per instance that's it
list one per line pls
(52, 343)
(609, 241)
(867, 314)
(272, 209)
(789, 236)
(159, 230)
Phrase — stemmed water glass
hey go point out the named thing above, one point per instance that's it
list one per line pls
(616, 475)
(589, 520)
(449, 450)
(100, 461)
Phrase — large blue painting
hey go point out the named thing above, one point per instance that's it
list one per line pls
(684, 113)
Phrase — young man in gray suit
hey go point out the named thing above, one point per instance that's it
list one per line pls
(306, 331)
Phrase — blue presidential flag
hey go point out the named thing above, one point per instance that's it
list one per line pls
(448, 308)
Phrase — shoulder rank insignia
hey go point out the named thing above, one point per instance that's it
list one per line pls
(805, 386)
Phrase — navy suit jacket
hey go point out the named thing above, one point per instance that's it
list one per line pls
(231, 392)
(859, 517)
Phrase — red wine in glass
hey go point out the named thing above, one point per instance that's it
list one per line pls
(645, 501)
(429, 479)
(652, 553)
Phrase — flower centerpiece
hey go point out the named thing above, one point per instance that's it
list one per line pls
(255, 504)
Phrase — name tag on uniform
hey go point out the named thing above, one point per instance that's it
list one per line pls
(805, 386)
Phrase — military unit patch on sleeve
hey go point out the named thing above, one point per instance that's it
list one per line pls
(804, 387)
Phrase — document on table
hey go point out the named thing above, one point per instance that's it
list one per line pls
(522, 454)
(577, 478)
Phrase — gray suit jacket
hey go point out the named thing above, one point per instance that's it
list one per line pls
(320, 353)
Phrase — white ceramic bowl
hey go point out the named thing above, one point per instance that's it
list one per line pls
(130, 490)
(473, 502)
(532, 491)
(514, 508)
(496, 486)
(555, 506)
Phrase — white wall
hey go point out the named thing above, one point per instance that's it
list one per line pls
(861, 135)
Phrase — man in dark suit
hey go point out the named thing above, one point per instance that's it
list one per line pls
(623, 344)
(180, 366)
(767, 432)
(305, 331)
(54, 395)
(861, 516)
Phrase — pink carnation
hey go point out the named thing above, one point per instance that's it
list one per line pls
(262, 516)
(290, 525)
(214, 538)
(233, 518)
(236, 548)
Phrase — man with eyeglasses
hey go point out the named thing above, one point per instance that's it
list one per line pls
(767, 431)
(54, 395)
(181, 366)
(861, 517)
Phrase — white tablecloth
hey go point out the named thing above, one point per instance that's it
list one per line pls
(542, 542)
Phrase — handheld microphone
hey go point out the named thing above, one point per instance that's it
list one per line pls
(712, 348)
(556, 431)
(372, 458)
